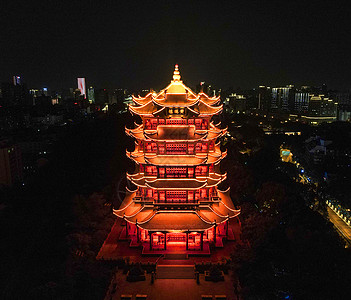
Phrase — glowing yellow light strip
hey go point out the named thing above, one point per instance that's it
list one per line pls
(231, 209)
(217, 213)
(184, 104)
(176, 188)
(118, 210)
(319, 118)
(133, 109)
(145, 221)
(134, 214)
(195, 112)
(225, 191)
(178, 179)
(131, 190)
(202, 219)
(158, 111)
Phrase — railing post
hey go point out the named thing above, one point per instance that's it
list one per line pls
(202, 241)
(215, 232)
(152, 277)
(137, 230)
(227, 228)
(165, 245)
(127, 229)
(150, 234)
(187, 240)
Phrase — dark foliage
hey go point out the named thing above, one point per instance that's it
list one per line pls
(289, 250)
(52, 229)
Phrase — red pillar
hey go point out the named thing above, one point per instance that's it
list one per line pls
(215, 233)
(150, 233)
(137, 231)
(227, 228)
(165, 245)
(202, 241)
(187, 240)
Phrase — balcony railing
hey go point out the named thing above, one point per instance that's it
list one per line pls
(170, 202)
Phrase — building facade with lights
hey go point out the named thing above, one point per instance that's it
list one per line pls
(176, 201)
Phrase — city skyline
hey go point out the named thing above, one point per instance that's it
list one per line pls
(240, 45)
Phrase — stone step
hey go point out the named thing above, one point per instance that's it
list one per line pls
(175, 262)
(176, 256)
(175, 272)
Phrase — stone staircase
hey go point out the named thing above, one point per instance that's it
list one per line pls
(175, 272)
(175, 256)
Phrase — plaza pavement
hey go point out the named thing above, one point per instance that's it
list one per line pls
(114, 248)
(169, 289)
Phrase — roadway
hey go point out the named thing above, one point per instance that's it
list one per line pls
(341, 226)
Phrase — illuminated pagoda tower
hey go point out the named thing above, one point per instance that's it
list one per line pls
(176, 201)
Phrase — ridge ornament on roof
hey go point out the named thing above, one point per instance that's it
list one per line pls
(176, 74)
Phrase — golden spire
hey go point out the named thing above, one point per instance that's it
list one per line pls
(176, 74)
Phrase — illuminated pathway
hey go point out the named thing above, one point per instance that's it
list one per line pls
(342, 227)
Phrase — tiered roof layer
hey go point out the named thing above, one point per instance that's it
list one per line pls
(176, 94)
(148, 215)
(207, 216)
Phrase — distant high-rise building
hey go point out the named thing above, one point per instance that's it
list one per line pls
(344, 105)
(321, 109)
(203, 87)
(44, 91)
(305, 88)
(237, 103)
(91, 95)
(324, 89)
(16, 80)
(343, 98)
(264, 98)
(43, 101)
(283, 99)
(344, 115)
(11, 169)
(329, 108)
(118, 98)
(15, 95)
(81, 86)
(101, 96)
(67, 94)
(34, 92)
(314, 108)
(301, 102)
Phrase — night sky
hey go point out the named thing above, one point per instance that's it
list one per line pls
(136, 44)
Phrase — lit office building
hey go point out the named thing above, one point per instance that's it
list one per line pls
(81, 86)
(11, 169)
(283, 99)
(321, 109)
(91, 95)
(302, 100)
